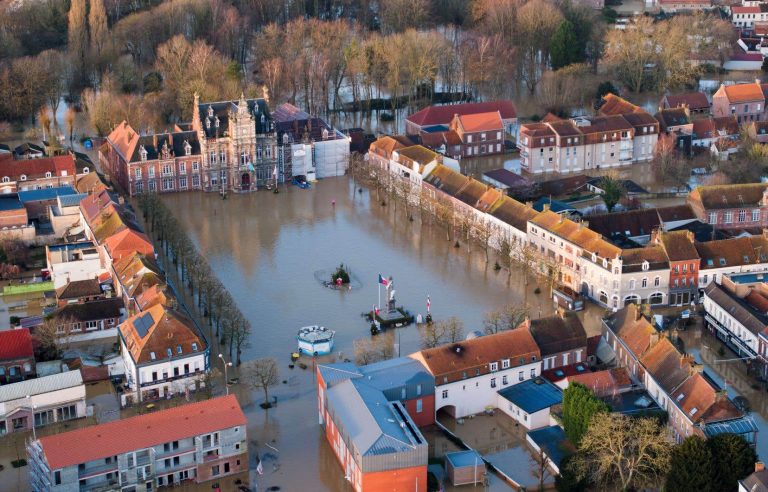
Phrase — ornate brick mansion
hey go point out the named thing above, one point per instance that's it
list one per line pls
(231, 145)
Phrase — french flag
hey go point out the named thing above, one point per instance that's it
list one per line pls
(383, 281)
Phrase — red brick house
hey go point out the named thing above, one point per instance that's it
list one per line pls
(479, 133)
(696, 102)
(745, 101)
(735, 206)
(684, 263)
(17, 356)
(164, 162)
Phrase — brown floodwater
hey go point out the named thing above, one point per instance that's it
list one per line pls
(267, 248)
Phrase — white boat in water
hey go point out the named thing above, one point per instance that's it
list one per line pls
(315, 340)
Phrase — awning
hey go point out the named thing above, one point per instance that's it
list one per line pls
(743, 425)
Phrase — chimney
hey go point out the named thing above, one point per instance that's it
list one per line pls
(759, 466)
(546, 207)
(584, 224)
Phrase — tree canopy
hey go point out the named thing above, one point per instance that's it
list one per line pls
(580, 405)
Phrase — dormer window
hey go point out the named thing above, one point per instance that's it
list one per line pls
(187, 148)
(169, 352)
(208, 123)
(646, 265)
(494, 366)
(23, 177)
(178, 349)
(143, 153)
(194, 346)
(216, 122)
(210, 111)
(594, 257)
(48, 174)
(6, 179)
(152, 356)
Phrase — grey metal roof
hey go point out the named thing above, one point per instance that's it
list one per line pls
(394, 373)
(469, 457)
(71, 200)
(336, 373)
(743, 425)
(39, 386)
(373, 424)
(550, 439)
(533, 395)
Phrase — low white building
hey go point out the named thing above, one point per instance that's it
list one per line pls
(469, 374)
(164, 354)
(73, 261)
(736, 314)
(41, 401)
(530, 402)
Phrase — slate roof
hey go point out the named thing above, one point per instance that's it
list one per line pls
(257, 108)
(506, 177)
(77, 289)
(150, 334)
(372, 423)
(39, 386)
(16, 344)
(556, 334)
(174, 143)
(91, 310)
(442, 115)
(749, 317)
(533, 395)
(551, 439)
(642, 222)
(673, 117)
(143, 431)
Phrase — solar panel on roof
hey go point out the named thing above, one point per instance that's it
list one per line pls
(143, 324)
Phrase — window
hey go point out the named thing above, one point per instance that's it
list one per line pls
(215, 470)
(494, 366)
(196, 180)
(183, 182)
(418, 390)
(656, 281)
(6, 179)
(493, 382)
(178, 349)
(521, 376)
(505, 364)
(402, 393)
(23, 177)
(66, 413)
(167, 183)
(756, 215)
(48, 174)
(57, 477)
(504, 380)
(742, 215)
(140, 187)
(644, 282)
(167, 171)
(195, 166)
(151, 172)
(91, 325)
(419, 405)
(632, 284)
(169, 352)
(137, 173)
(445, 393)
(194, 346)
(152, 355)
(728, 217)
(533, 372)
(182, 167)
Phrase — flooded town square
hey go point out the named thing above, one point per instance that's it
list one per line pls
(267, 248)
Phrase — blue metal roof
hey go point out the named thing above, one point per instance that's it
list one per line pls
(743, 425)
(556, 206)
(394, 373)
(72, 200)
(336, 373)
(464, 458)
(10, 202)
(550, 439)
(71, 246)
(533, 395)
(45, 194)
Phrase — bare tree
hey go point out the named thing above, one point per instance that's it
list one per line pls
(540, 466)
(507, 318)
(622, 453)
(370, 350)
(261, 374)
(450, 330)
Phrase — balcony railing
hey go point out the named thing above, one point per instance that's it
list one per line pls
(94, 471)
(104, 486)
(175, 452)
(171, 378)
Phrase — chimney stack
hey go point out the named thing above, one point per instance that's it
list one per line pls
(759, 466)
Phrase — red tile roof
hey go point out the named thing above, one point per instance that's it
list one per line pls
(143, 431)
(693, 100)
(481, 122)
(36, 168)
(604, 383)
(127, 242)
(739, 93)
(442, 115)
(16, 344)
(150, 334)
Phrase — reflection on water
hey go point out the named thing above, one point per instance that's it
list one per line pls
(266, 248)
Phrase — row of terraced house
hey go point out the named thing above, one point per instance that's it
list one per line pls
(656, 256)
(164, 354)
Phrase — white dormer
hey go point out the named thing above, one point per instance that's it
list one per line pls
(208, 123)
(646, 265)
(23, 177)
(48, 174)
(216, 122)
(143, 153)
(187, 148)
(210, 111)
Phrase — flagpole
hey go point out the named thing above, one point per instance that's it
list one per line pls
(379, 304)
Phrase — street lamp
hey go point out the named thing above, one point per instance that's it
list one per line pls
(226, 365)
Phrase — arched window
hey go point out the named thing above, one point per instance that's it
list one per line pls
(6, 179)
(23, 177)
(646, 265)
(86, 170)
(48, 174)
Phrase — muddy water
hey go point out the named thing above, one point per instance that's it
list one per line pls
(266, 249)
